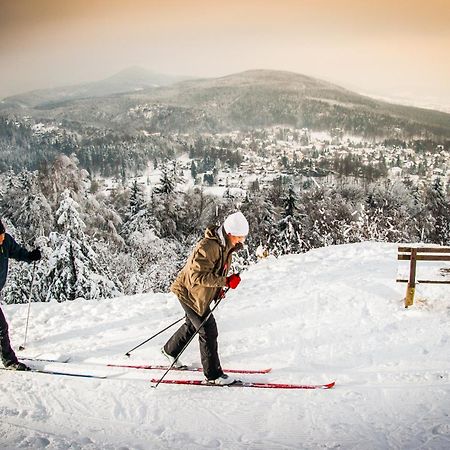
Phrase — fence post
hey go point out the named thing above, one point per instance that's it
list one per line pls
(411, 288)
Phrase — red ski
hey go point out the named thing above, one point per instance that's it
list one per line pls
(188, 368)
(248, 384)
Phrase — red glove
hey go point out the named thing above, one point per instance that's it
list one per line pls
(233, 281)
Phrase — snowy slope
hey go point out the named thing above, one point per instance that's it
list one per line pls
(332, 313)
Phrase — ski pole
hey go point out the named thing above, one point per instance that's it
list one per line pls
(221, 296)
(150, 338)
(22, 347)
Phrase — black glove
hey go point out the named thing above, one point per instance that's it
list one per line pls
(35, 255)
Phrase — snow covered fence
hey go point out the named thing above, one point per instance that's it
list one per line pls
(414, 254)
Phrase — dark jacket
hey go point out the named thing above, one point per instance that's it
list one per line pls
(10, 249)
(204, 274)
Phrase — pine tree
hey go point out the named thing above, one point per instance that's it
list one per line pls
(166, 203)
(290, 202)
(438, 207)
(25, 205)
(137, 202)
(74, 267)
(288, 239)
(194, 171)
(262, 217)
(167, 182)
(68, 217)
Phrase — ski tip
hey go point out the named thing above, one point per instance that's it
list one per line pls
(329, 385)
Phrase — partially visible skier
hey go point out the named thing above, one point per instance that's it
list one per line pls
(9, 248)
(200, 282)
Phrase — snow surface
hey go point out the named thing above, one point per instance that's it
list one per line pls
(330, 314)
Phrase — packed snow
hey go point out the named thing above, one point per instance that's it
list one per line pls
(334, 313)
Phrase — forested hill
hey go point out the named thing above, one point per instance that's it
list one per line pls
(257, 98)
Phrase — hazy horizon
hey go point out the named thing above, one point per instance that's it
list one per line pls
(397, 50)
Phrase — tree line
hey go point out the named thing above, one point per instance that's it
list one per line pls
(134, 238)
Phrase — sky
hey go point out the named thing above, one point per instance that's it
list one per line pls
(390, 48)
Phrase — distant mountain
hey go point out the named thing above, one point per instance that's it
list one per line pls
(256, 98)
(128, 80)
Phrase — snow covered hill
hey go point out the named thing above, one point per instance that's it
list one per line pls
(332, 313)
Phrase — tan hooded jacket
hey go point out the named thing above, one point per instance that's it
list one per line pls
(204, 274)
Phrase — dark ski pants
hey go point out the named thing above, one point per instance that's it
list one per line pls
(7, 353)
(207, 340)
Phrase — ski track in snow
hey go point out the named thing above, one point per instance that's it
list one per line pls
(332, 313)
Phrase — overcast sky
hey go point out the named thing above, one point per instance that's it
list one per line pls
(385, 47)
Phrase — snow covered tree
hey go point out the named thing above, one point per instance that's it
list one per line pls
(137, 202)
(154, 262)
(9, 183)
(196, 211)
(290, 202)
(262, 217)
(68, 218)
(438, 207)
(101, 219)
(60, 175)
(168, 180)
(17, 289)
(288, 239)
(194, 171)
(75, 270)
(385, 216)
(25, 205)
(166, 202)
(324, 218)
(138, 216)
(148, 261)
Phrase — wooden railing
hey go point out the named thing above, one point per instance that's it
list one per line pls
(414, 254)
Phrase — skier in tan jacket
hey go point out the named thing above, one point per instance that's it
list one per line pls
(201, 281)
